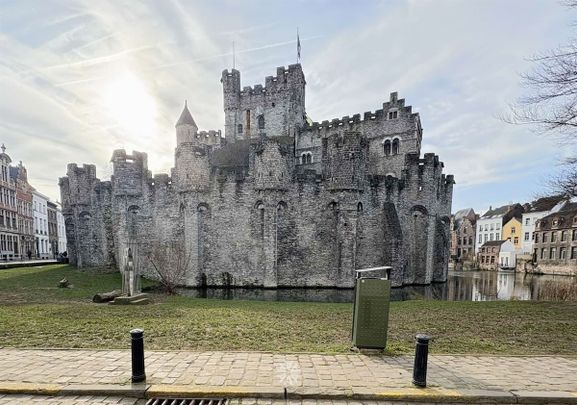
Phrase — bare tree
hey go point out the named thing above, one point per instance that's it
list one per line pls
(550, 104)
(170, 261)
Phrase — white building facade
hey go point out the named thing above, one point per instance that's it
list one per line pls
(507, 255)
(40, 203)
(488, 229)
(61, 231)
(537, 211)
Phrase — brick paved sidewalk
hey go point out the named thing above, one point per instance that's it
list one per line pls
(326, 374)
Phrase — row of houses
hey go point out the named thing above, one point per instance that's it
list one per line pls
(542, 233)
(31, 226)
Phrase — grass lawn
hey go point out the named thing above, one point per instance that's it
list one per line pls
(34, 312)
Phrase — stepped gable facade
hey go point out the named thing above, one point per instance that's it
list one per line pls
(278, 200)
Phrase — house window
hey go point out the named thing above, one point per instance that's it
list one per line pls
(485, 238)
(512, 230)
(516, 240)
(387, 147)
(552, 253)
(491, 236)
(574, 252)
(543, 253)
(574, 237)
(480, 228)
(239, 129)
(526, 235)
(486, 227)
(562, 253)
(393, 115)
(470, 240)
(497, 236)
(536, 237)
(553, 237)
(492, 226)
(544, 237)
(527, 220)
(498, 226)
(492, 259)
(563, 236)
(480, 238)
(395, 146)
(261, 122)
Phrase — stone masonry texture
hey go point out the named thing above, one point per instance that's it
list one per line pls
(278, 201)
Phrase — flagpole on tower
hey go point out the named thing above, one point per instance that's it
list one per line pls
(233, 56)
(298, 46)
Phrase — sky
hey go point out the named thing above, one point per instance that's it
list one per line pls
(79, 79)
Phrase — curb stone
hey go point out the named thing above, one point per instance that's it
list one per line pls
(437, 395)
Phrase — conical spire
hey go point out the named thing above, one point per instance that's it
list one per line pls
(186, 117)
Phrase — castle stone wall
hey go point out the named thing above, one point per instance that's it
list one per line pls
(251, 213)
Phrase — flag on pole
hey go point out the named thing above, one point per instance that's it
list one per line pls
(298, 46)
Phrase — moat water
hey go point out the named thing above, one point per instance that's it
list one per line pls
(460, 286)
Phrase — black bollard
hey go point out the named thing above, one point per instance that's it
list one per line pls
(138, 374)
(421, 354)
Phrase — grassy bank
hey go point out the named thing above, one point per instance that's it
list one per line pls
(34, 312)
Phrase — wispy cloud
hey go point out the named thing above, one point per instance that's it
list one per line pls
(456, 62)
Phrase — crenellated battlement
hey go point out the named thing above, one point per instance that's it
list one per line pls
(209, 138)
(379, 116)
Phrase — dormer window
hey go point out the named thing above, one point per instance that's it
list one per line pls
(393, 115)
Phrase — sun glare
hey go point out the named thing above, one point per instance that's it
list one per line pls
(129, 104)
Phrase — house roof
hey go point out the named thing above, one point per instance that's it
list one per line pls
(186, 117)
(232, 154)
(564, 216)
(497, 212)
(467, 212)
(493, 243)
(546, 203)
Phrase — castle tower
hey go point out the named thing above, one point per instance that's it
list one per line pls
(186, 128)
(277, 109)
(191, 168)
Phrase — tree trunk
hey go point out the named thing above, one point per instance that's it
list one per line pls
(105, 297)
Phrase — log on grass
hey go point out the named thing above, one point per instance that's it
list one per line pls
(107, 296)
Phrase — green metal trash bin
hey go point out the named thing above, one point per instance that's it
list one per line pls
(371, 308)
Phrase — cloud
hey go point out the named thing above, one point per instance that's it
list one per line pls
(456, 62)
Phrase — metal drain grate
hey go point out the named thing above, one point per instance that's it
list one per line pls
(186, 401)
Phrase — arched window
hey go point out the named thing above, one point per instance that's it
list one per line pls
(395, 146)
(387, 147)
(261, 122)
(306, 158)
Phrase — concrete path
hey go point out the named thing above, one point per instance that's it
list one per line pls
(258, 374)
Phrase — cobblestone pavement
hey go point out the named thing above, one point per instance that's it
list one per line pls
(66, 400)
(315, 371)
(91, 400)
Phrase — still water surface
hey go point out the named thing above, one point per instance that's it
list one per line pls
(460, 286)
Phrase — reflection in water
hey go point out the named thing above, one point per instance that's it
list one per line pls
(461, 286)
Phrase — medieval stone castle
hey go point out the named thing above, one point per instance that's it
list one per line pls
(278, 200)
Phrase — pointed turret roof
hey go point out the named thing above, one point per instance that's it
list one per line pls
(186, 117)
